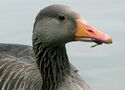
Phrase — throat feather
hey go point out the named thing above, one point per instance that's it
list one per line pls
(54, 66)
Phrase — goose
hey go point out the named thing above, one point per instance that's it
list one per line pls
(45, 65)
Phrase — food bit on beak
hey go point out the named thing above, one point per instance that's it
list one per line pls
(96, 45)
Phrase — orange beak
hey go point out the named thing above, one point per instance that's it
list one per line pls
(87, 33)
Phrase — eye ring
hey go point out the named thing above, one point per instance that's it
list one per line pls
(61, 17)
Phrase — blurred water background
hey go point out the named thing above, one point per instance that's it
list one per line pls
(102, 67)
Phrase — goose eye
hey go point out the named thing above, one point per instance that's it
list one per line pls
(62, 18)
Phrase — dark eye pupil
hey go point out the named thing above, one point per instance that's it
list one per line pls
(62, 17)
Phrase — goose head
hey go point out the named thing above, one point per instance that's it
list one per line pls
(59, 24)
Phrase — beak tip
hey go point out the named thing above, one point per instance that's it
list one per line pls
(109, 41)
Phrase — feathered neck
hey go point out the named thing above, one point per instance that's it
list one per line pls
(53, 64)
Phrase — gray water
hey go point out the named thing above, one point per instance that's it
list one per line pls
(102, 67)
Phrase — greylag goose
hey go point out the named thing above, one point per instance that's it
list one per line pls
(45, 66)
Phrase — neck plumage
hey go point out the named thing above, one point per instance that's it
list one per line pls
(53, 65)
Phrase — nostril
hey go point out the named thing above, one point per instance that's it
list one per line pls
(90, 31)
